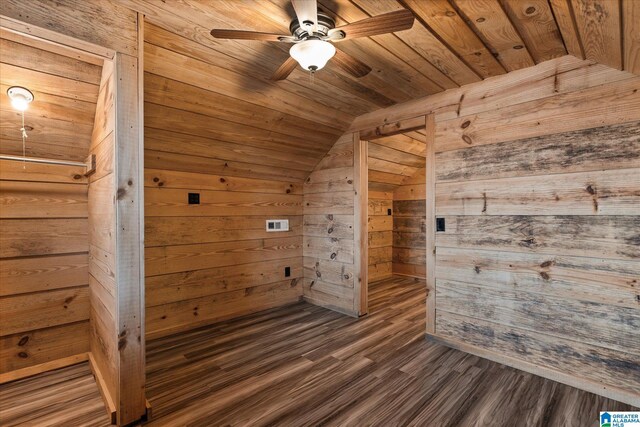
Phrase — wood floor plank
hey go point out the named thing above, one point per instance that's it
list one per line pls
(305, 365)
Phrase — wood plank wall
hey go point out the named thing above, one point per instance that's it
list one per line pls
(116, 327)
(44, 295)
(102, 241)
(214, 260)
(380, 228)
(95, 31)
(537, 179)
(329, 198)
(539, 257)
(409, 232)
(44, 230)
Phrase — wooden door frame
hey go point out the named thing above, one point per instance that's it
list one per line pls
(360, 162)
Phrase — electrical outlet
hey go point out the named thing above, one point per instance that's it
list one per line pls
(388, 211)
(277, 225)
(194, 198)
(287, 272)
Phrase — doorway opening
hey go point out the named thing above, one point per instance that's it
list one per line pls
(396, 230)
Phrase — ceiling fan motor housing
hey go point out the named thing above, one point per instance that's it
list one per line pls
(325, 23)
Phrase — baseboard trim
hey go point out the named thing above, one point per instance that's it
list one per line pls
(614, 393)
(331, 307)
(30, 371)
(102, 388)
(415, 276)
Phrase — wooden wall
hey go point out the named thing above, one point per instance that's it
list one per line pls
(115, 243)
(329, 231)
(213, 261)
(537, 179)
(44, 295)
(409, 232)
(43, 208)
(102, 242)
(66, 93)
(539, 257)
(380, 229)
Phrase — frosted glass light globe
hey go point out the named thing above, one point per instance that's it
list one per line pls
(312, 55)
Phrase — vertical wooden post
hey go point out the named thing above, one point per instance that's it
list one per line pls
(430, 219)
(360, 214)
(130, 401)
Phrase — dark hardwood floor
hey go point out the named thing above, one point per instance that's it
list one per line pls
(304, 365)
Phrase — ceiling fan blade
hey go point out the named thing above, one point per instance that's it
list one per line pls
(249, 35)
(306, 11)
(387, 23)
(350, 64)
(285, 69)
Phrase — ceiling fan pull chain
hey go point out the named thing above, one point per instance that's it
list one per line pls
(23, 131)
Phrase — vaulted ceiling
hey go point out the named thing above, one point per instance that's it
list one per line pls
(452, 43)
(219, 90)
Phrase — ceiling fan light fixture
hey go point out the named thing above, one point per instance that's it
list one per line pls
(312, 54)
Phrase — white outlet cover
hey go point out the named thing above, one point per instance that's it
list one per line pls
(275, 225)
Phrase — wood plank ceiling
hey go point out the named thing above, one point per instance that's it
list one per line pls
(395, 159)
(452, 43)
(59, 122)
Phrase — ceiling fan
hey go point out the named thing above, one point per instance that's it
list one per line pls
(313, 33)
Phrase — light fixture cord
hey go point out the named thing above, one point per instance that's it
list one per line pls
(23, 130)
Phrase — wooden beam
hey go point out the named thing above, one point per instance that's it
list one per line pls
(360, 232)
(430, 221)
(85, 50)
(130, 401)
(545, 80)
(389, 129)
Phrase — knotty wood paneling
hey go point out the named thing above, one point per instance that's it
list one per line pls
(328, 228)
(115, 237)
(105, 24)
(44, 281)
(537, 260)
(380, 237)
(409, 229)
(60, 120)
(102, 239)
(539, 191)
(214, 260)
